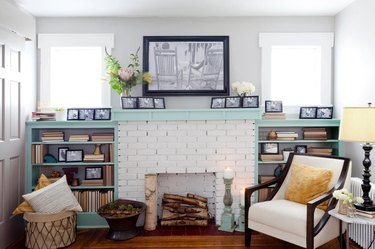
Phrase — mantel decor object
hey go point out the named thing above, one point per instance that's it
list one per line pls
(357, 125)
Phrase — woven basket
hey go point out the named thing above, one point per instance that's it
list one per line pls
(47, 231)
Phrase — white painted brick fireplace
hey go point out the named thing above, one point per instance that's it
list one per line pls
(186, 146)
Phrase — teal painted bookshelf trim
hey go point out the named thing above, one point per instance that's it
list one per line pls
(64, 164)
(185, 114)
(299, 141)
(90, 220)
(298, 122)
(271, 162)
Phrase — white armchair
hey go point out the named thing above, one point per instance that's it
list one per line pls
(304, 225)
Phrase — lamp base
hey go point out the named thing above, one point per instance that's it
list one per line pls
(364, 207)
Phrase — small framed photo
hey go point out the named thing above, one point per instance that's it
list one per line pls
(86, 114)
(250, 102)
(92, 173)
(129, 102)
(324, 112)
(217, 102)
(102, 114)
(72, 114)
(159, 103)
(146, 103)
(307, 112)
(273, 106)
(62, 154)
(301, 149)
(232, 102)
(74, 156)
(269, 148)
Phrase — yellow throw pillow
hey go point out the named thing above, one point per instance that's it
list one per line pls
(307, 183)
(25, 206)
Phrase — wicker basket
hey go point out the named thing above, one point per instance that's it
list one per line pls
(47, 231)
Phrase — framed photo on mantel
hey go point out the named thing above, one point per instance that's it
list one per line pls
(186, 65)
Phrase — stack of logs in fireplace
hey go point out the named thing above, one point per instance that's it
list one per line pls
(179, 210)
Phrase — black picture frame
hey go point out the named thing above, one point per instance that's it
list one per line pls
(72, 114)
(86, 114)
(269, 148)
(217, 102)
(301, 149)
(93, 173)
(74, 156)
(102, 114)
(233, 102)
(129, 102)
(159, 103)
(146, 103)
(307, 112)
(199, 65)
(324, 112)
(273, 106)
(61, 154)
(250, 102)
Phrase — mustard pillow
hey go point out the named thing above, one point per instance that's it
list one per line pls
(307, 183)
(25, 206)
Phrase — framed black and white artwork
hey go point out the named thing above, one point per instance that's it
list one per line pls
(102, 114)
(269, 148)
(324, 112)
(250, 101)
(302, 149)
(273, 106)
(307, 112)
(72, 114)
(159, 103)
(146, 103)
(232, 102)
(74, 156)
(92, 173)
(129, 102)
(62, 154)
(186, 65)
(86, 114)
(218, 102)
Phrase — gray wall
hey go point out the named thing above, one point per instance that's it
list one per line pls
(243, 33)
(355, 66)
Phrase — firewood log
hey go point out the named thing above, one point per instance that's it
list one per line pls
(185, 200)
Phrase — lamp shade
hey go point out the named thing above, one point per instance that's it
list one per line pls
(358, 124)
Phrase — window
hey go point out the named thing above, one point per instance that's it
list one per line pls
(72, 68)
(296, 67)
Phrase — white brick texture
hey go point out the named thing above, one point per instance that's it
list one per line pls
(188, 156)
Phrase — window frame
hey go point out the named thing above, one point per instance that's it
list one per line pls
(47, 41)
(324, 40)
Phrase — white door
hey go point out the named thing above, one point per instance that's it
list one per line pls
(11, 136)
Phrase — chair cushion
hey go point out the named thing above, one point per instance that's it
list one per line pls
(25, 206)
(284, 215)
(307, 182)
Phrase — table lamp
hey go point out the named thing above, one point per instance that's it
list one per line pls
(358, 125)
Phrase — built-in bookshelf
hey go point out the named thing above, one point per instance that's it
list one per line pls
(86, 152)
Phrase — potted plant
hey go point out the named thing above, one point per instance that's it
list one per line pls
(121, 216)
(122, 80)
(60, 114)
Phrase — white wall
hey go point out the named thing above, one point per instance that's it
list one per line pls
(355, 66)
(243, 33)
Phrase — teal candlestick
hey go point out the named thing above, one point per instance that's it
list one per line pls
(241, 220)
(227, 218)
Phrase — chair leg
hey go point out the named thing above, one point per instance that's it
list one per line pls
(248, 233)
(342, 241)
(310, 242)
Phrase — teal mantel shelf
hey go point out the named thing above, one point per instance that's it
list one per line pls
(185, 114)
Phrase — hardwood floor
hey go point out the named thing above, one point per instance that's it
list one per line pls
(96, 239)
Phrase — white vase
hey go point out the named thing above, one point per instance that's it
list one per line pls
(61, 116)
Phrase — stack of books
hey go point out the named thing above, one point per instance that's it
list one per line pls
(93, 182)
(286, 135)
(367, 214)
(52, 136)
(273, 115)
(93, 158)
(314, 133)
(43, 116)
(320, 150)
(102, 137)
(108, 175)
(271, 157)
(78, 138)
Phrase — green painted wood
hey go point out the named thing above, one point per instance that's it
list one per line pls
(90, 220)
(299, 141)
(299, 123)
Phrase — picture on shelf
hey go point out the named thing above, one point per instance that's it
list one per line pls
(232, 102)
(62, 154)
(74, 155)
(86, 114)
(146, 103)
(92, 173)
(102, 114)
(324, 112)
(307, 112)
(72, 114)
(250, 102)
(269, 148)
(218, 102)
(301, 149)
(129, 102)
(273, 106)
(159, 103)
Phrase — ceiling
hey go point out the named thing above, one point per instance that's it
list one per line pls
(181, 8)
